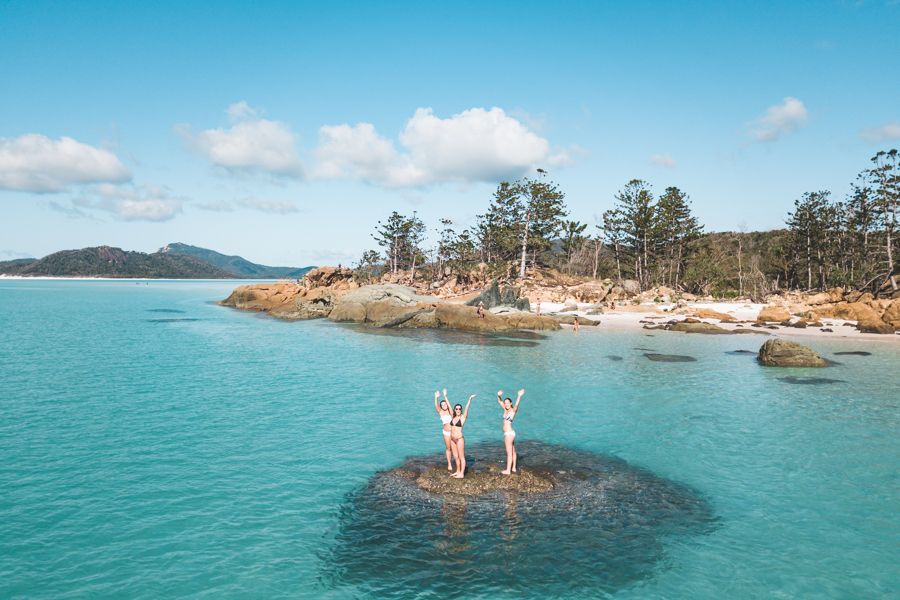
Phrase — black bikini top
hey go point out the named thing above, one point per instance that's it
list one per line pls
(456, 422)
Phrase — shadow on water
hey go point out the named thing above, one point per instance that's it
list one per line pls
(599, 528)
(741, 352)
(853, 353)
(613, 357)
(165, 310)
(526, 339)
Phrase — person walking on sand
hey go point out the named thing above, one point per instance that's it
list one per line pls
(444, 412)
(456, 437)
(509, 434)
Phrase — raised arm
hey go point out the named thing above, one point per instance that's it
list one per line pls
(500, 398)
(436, 406)
(518, 399)
(465, 414)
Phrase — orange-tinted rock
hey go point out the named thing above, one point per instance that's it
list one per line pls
(775, 314)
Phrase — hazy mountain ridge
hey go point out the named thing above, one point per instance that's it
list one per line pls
(238, 265)
(173, 261)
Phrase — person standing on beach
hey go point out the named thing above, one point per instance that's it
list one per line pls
(443, 411)
(509, 434)
(481, 310)
(575, 325)
(456, 437)
(538, 305)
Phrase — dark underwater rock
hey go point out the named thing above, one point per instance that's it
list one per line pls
(809, 380)
(600, 528)
(669, 357)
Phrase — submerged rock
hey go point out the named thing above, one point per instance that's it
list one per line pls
(782, 353)
(853, 353)
(669, 357)
(600, 527)
(809, 380)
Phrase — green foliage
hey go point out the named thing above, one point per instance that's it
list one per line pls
(659, 241)
(401, 237)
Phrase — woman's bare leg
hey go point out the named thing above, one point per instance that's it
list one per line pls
(507, 441)
(448, 452)
(515, 456)
(460, 458)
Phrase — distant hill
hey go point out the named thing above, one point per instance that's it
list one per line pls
(106, 261)
(239, 266)
(7, 266)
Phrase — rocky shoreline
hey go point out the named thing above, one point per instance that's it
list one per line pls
(545, 302)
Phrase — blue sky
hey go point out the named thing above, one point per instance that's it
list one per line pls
(284, 131)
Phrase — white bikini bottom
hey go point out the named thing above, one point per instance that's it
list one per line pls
(447, 433)
(510, 432)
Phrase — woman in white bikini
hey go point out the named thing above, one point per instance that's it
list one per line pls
(509, 434)
(457, 439)
(443, 411)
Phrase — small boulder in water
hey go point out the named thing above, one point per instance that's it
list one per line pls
(782, 353)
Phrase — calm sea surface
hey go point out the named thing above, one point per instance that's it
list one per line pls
(153, 444)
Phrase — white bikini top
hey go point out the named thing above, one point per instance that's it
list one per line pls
(445, 419)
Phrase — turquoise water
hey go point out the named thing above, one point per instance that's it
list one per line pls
(153, 444)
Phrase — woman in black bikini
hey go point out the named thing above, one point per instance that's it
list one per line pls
(457, 441)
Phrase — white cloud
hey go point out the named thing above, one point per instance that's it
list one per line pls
(663, 160)
(36, 163)
(886, 133)
(131, 203)
(780, 119)
(251, 145)
(215, 206)
(241, 110)
(279, 207)
(474, 145)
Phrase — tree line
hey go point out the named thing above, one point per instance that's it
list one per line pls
(657, 240)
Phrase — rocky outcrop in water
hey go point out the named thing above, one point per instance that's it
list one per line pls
(331, 292)
(782, 353)
(389, 305)
(311, 298)
(578, 524)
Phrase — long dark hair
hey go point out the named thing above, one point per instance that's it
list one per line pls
(459, 406)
